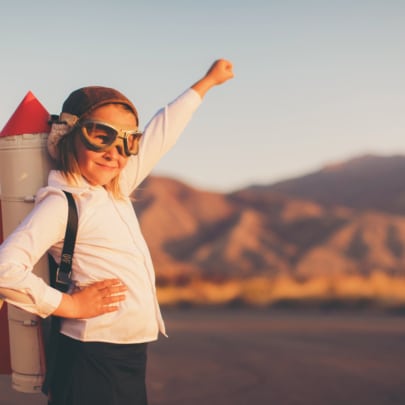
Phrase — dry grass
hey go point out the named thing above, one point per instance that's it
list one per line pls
(378, 288)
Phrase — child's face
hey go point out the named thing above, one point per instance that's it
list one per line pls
(99, 168)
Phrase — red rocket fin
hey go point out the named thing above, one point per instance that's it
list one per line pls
(5, 365)
(30, 117)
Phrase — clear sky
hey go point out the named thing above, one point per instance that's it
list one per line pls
(316, 82)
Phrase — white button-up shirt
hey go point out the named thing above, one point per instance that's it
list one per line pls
(109, 241)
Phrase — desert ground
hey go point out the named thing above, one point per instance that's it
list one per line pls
(241, 357)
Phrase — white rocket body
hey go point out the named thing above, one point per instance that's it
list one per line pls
(24, 168)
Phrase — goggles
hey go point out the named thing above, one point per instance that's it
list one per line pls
(99, 137)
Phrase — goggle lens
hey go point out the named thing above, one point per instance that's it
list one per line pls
(99, 137)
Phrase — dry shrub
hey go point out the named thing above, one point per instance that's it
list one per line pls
(261, 291)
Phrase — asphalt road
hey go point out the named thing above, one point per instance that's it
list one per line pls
(244, 358)
(223, 357)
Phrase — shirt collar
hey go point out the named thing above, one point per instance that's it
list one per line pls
(58, 180)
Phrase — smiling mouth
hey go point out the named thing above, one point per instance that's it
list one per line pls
(106, 166)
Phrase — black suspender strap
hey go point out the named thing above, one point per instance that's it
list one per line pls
(63, 272)
(60, 279)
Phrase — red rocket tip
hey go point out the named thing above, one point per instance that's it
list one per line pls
(30, 117)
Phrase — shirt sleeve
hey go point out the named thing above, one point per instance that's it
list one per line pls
(160, 135)
(43, 227)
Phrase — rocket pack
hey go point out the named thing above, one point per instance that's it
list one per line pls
(24, 168)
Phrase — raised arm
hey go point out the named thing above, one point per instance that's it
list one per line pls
(162, 132)
(218, 73)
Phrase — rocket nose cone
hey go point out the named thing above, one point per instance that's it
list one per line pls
(30, 117)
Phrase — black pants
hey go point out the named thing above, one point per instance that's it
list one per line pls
(88, 373)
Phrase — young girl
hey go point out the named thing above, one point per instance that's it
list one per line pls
(111, 311)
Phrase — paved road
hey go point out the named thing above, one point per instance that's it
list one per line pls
(244, 358)
(284, 358)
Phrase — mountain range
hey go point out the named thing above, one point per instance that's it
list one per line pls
(335, 233)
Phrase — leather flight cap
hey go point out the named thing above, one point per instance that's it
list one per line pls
(86, 99)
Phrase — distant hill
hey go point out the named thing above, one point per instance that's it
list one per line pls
(365, 182)
(343, 222)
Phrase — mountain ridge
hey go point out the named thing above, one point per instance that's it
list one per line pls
(364, 182)
(286, 231)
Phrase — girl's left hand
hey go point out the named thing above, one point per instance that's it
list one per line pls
(220, 71)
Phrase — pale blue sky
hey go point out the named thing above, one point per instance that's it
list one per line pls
(315, 81)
